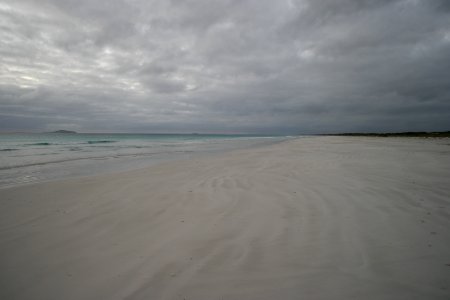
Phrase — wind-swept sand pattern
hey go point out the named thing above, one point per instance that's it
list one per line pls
(312, 218)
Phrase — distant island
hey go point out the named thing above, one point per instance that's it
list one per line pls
(63, 131)
(439, 134)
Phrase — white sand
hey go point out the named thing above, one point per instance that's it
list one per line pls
(313, 218)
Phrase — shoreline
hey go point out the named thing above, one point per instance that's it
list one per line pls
(183, 157)
(79, 167)
(317, 218)
(156, 163)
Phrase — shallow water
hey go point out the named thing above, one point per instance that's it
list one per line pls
(26, 158)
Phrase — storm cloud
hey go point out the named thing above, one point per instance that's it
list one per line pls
(261, 66)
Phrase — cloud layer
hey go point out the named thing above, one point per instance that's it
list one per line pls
(262, 66)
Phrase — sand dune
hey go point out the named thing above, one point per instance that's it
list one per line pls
(311, 218)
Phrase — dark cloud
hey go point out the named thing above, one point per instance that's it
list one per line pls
(287, 66)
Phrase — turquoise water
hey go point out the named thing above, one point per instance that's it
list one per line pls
(26, 158)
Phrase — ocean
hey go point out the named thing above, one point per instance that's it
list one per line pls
(28, 158)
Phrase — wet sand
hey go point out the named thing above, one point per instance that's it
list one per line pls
(311, 218)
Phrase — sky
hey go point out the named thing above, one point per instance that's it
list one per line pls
(229, 66)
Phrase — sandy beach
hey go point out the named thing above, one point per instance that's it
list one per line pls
(310, 218)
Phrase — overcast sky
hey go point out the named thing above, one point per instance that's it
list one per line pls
(262, 66)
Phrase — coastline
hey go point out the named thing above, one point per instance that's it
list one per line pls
(48, 157)
(317, 217)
